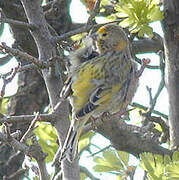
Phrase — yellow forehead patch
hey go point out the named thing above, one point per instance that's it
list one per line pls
(102, 29)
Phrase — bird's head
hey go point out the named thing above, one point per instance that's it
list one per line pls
(111, 38)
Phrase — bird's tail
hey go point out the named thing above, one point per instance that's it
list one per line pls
(70, 147)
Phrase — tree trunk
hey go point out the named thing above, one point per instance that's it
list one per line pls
(32, 94)
(171, 31)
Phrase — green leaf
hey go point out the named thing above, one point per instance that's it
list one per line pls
(167, 159)
(110, 156)
(145, 29)
(104, 3)
(83, 176)
(78, 37)
(122, 15)
(113, 160)
(154, 165)
(138, 14)
(175, 156)
(126, 23)
(172, 170)
(3, 106)
(155, 15)
(124, 157)
(102, 168)
(119, 178)
(85, 140)
(159, 167)
(35, 178)
(102, 163)
(109, 162)
(47, 138)
(111, 17)
(158, 127)
(146, 164)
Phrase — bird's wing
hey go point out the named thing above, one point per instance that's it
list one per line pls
(95, 82)
(92, 87)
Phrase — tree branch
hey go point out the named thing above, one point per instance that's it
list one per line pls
(126, 137)
(137, 105)
(86, 171)
(28, 67)
(16, 175)
(23, 55)
(46, 49)
(7, 79)
(27, 118)
(146, 46)
(5, 59)
(30, 129)
(34, 150)
(94, 12)
(18, 23)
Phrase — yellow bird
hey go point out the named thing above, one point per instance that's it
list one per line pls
(103, 84)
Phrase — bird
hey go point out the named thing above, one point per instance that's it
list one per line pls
(106, 83)
(80, 55)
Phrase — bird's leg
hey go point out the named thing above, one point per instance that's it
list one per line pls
(144, 63)
(122, 112)
(93, 119)
(104, 116)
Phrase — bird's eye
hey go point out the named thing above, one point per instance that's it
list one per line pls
(105, 34)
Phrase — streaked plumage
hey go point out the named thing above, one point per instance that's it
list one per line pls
(82, 55)
(100, 85)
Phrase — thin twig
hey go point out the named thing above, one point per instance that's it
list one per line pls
(152, 101)
(34, 151)
(16, 52)
(31, 127)
(14, 143)
(47, 6)
(18, 23)
(150, 95)
(27, 118)
(101, 150)
(28, 67)
(163, 125)
(145, 109)
(162, 82)
(94, 12)
(40, 159)
(85, 28)
(43, 170)
(16, 175)
(147, 66)
(144, 63)
(7, 130)
(7, 79)
(5, 59)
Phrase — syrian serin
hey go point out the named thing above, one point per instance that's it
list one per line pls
(103, 84)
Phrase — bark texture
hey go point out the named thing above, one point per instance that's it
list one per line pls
(171, 31)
